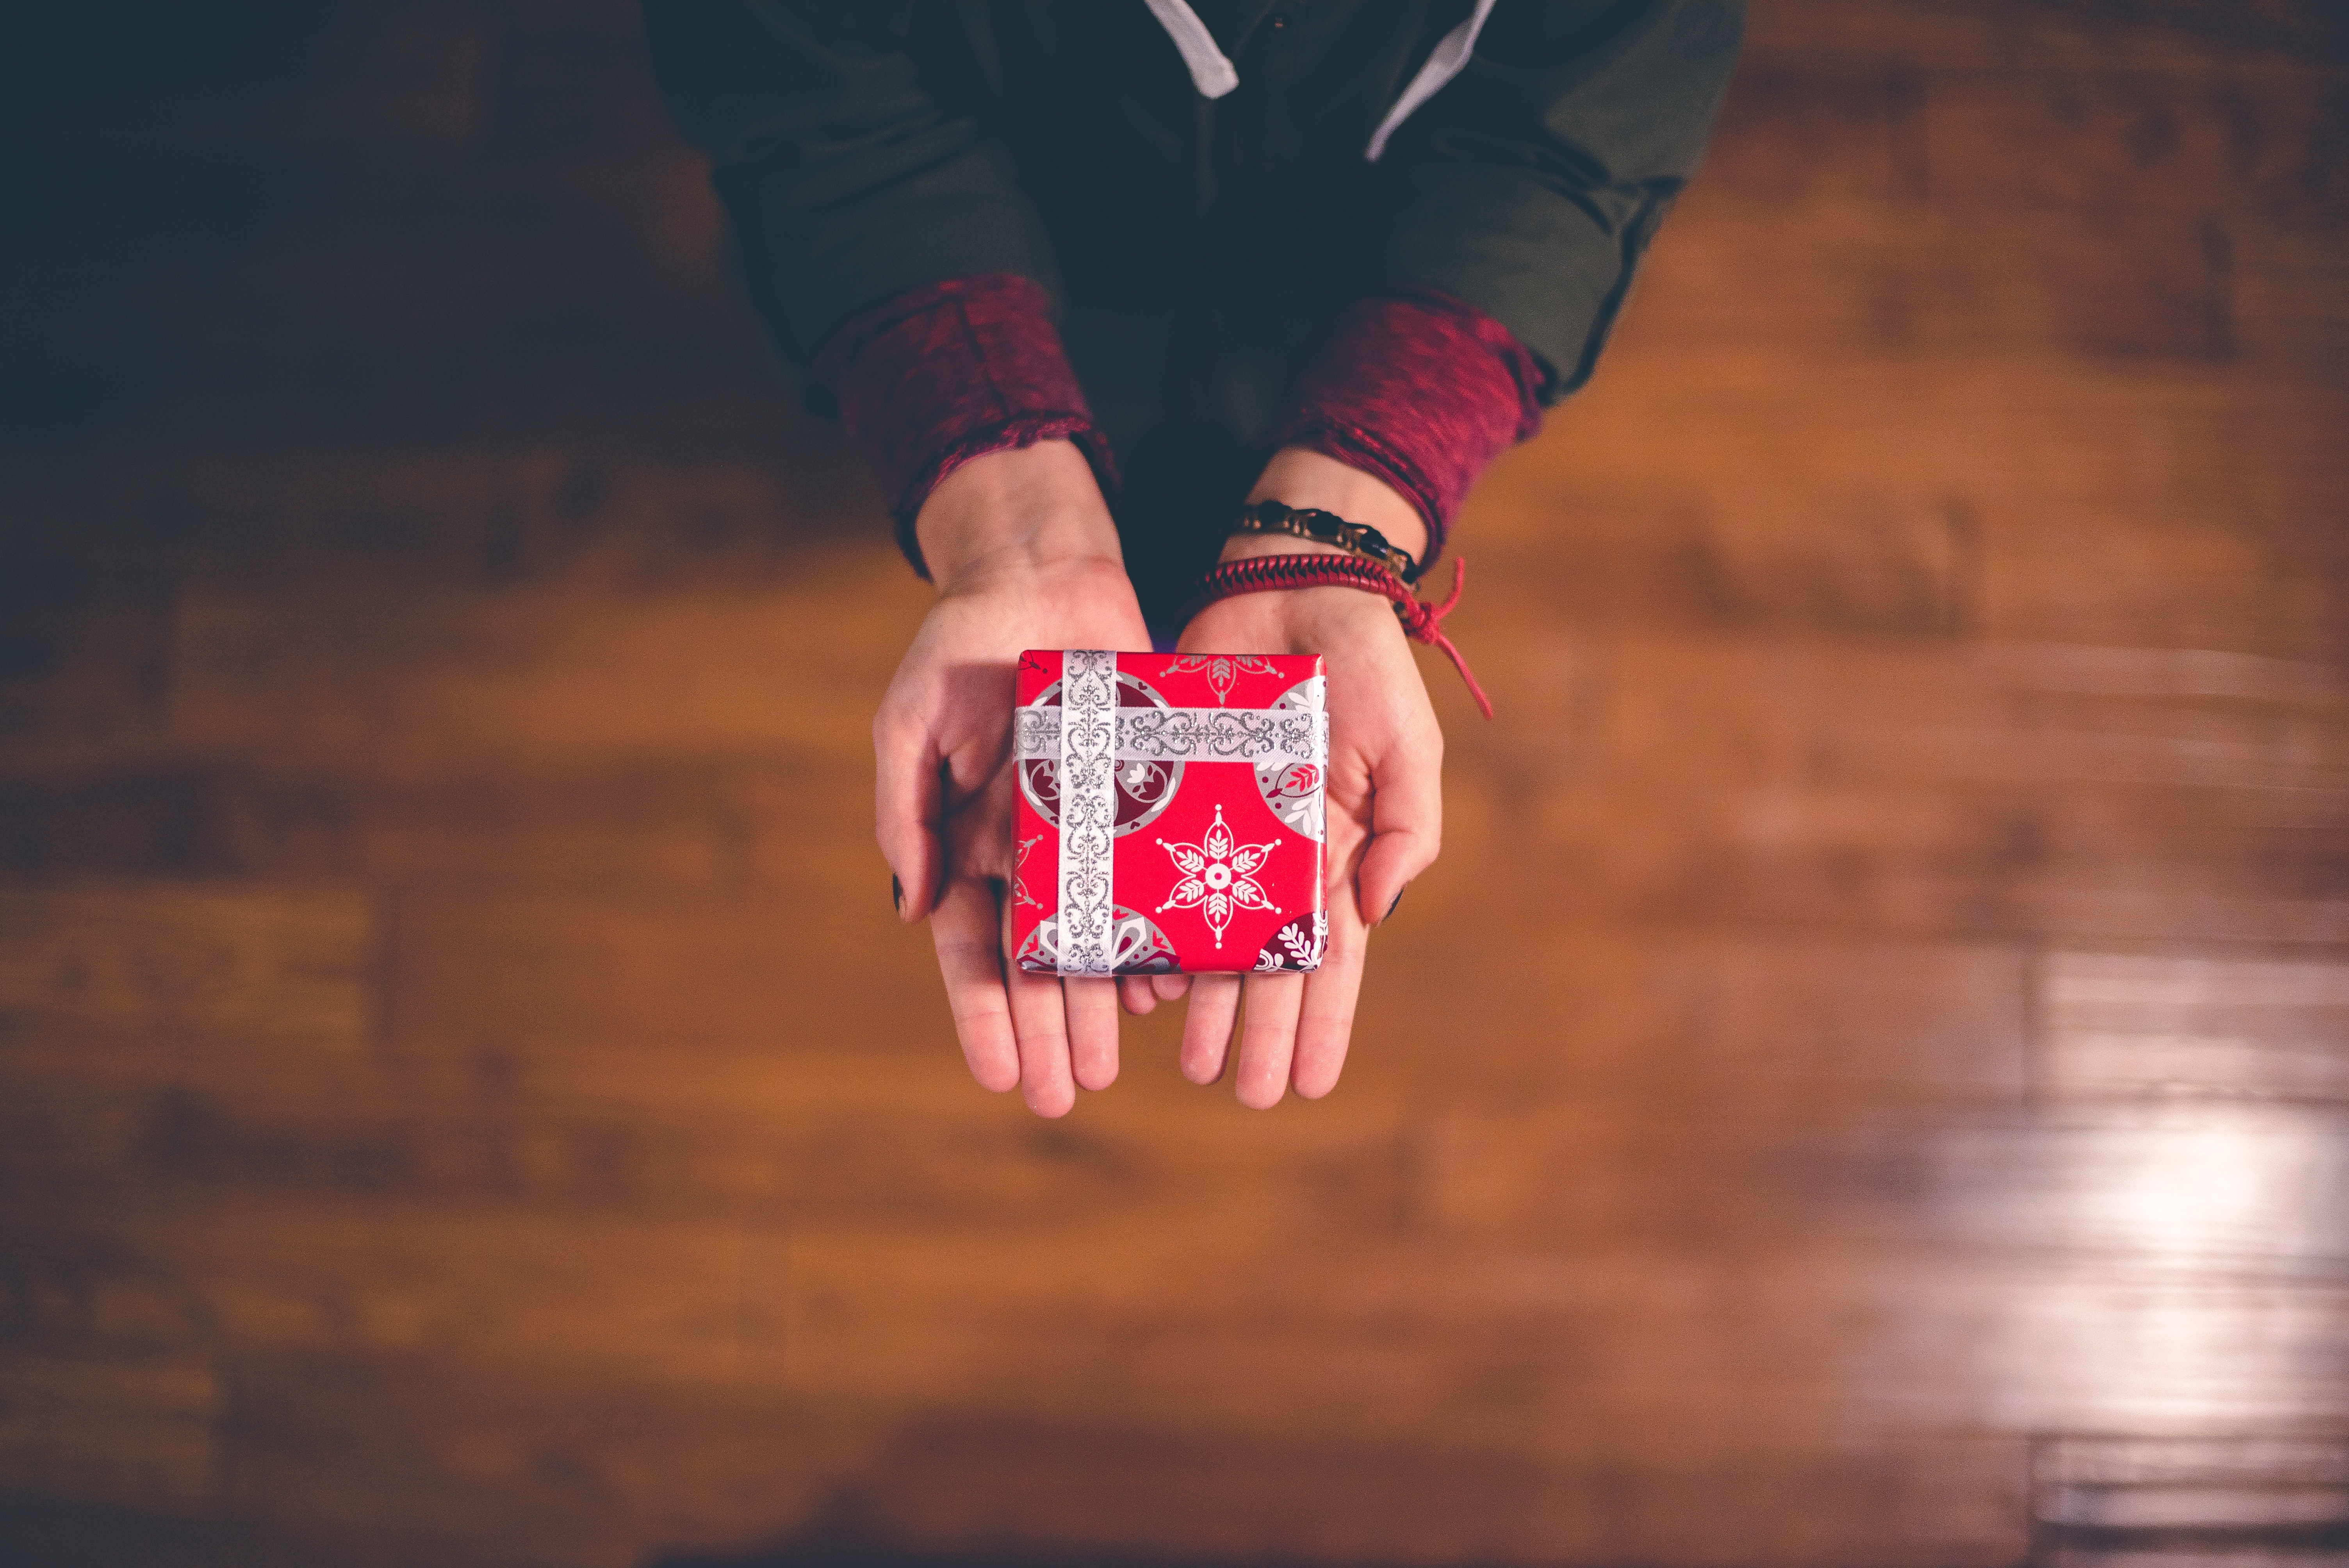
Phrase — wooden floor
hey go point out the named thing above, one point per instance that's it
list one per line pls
(1867, 1085)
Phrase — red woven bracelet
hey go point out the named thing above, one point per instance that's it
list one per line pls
(1422, 620)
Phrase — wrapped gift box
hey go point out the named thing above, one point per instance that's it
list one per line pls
(1169, 816)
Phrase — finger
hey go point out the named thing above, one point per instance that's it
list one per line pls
(1091, 1010)
(1207, 1025)
(1170, 987)
(1406, 821)
(1040, 1020)
(1267, 1038)
(966, 932)
(1325, 1024)
(1136, 995)
(908, 799)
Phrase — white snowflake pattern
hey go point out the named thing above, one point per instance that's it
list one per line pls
(1302, 938)
(1218, 875)
(1305, 946)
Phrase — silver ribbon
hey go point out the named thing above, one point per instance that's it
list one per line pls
(1266, 737)
(1088, 783)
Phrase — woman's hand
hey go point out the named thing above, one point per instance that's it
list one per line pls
(1385, 810)
(1024, 554)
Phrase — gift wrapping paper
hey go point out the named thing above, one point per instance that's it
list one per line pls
(1171, 814)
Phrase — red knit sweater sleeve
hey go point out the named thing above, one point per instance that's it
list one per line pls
(935, 377)
(1421, 390)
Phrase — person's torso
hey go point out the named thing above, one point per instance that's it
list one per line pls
(1146, 187)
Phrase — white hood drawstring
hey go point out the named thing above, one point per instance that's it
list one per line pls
(1447, 60)
(1212, 74)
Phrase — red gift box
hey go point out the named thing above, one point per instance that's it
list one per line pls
(1169, 816)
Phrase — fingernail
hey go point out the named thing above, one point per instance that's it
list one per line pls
(897, 895)
(1391, 908)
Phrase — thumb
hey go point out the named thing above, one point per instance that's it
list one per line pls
(908, 799)
(1406, 825)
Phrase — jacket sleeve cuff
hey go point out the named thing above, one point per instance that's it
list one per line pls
(950, 371)
(1422, 391)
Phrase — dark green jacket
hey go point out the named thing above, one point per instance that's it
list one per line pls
(863, 149)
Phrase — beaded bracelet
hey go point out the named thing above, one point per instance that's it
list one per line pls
(1327, 528)
(1271, 574)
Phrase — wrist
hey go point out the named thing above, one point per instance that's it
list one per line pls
(1025, 513)
(1307, 599)
(1245, 546)
(1300, 477)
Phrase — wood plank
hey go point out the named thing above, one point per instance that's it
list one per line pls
(690, 1133)
(429, 515)
(83, 652)
(155, 819)
(2228, 1486)
(2119, 1501)
(2196, 140)
(688, 824)
(2037, 504)
(2165, 1024)
(403, 1457)
(2089, 866)
(2209, 582)
(823, 966)
(2291, 301)
(65, 1535)
(2159, 442)
(2196, 1552)
(1906, 561)
(2244, 1190)
(131, 1431)
(1109, 1494)
(414, 682)
(1875, 279)
(1216, 1330)
(1799, 136)
(189, 957)
(483, 1285)
(1686, 1022)
(682, 823)
(1744, 713)
(2283, 39)
(1893, 564)
(1630, 791)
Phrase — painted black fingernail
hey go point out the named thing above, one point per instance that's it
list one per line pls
(897, 895)
(1391, 908)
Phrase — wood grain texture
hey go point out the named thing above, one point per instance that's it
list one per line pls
(138, 1432)
(171, 957)
(2123, 1024)
(86, 651)
(1212, 1500)
(1864, 1086)
(1914, 278)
